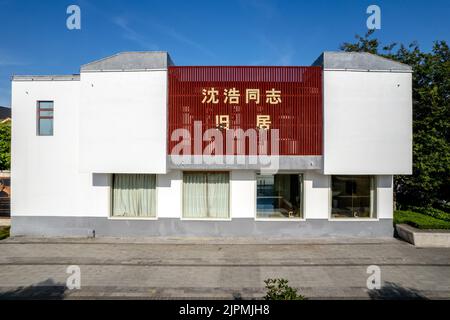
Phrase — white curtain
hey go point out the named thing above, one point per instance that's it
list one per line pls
(205, 195)
(218, 195)
(195, 195)
(134, 195)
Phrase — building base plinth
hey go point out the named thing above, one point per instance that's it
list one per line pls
(45, 226)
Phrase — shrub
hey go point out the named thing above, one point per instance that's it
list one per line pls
(419, 220)
(444, 205)
(278, 289)
(4, 232)
(432, 212)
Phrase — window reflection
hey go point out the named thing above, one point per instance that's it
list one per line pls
(279, 196)
(45, 118)
(352, 197)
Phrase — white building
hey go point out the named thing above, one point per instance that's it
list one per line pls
(91, 152)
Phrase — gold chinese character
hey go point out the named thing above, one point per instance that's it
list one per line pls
(273, 96)
(263, 121)
(231, 96)
(223, 121)
(252, 94)
(210, 96)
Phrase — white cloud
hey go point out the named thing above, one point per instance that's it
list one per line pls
(265, 7)
(133, 35)
(278, 53)
(183, 39)
(8, 60)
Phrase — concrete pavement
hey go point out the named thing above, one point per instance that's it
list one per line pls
(174, 268)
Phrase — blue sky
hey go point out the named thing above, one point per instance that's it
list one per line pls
(34, 38)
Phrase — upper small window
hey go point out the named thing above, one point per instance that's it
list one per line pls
(45, 118)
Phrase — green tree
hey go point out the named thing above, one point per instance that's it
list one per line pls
(5, 145)
(430, 183)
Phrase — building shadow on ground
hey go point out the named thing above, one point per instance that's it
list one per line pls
(48, 289)
(392, 291)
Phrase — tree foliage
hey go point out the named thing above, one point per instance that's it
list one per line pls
(5, 145)
(430, 183)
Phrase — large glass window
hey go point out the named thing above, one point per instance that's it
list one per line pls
(206, 195)
(279, 196)
(134, 195)
(353, 197)
(45, 118)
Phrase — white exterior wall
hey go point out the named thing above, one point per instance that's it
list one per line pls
(242, 194)
(169, 194)
(367, 122)
(316, 196)
(45, 177)
(385, 197)
(123, 120)
(115, 122)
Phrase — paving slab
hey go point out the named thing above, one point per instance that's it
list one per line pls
(202, 268)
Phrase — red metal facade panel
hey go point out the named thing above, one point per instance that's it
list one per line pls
(298, 116)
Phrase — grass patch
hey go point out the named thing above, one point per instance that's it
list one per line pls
(419, 220)
(4, 232)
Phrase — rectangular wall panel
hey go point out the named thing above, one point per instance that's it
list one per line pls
(297, 114)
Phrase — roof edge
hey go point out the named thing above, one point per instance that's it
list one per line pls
(102, 64)
(118, 53)
(66, 77)
(359, 61)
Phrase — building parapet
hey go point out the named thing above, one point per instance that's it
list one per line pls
(69, 77)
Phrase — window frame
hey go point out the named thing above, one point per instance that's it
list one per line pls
(111, 200)
(206, 219)
(39, 117)
(302, 196)
(373, 200)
